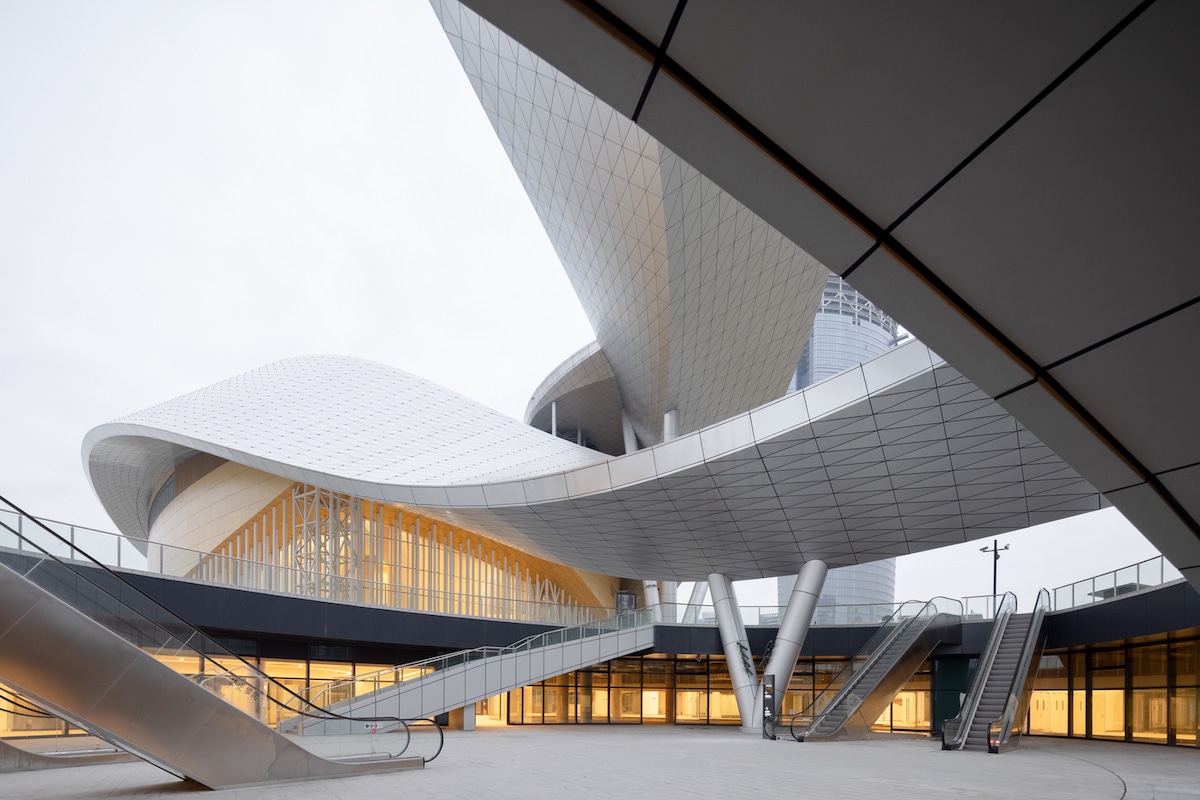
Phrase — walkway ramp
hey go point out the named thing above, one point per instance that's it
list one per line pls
(996, 702)
(435, 686)
(86, 654)
(857, 696)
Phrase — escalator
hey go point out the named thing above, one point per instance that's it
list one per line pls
(85, 645)
(443, 683)
(995, 706)
(862, 691)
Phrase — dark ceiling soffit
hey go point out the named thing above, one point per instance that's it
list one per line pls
(661, 62)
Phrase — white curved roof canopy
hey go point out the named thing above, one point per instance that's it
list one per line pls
(581, 394)
(898, 456)
(700, 307)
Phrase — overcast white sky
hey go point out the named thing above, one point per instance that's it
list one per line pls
(189, 190)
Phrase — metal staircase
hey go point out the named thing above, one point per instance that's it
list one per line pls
(436, 685)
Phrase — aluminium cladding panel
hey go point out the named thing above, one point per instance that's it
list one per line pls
(784, 497)
(548, 661)
(930, 319)
(642, 240)
(453, 689)
(364, 427)
(481, 679)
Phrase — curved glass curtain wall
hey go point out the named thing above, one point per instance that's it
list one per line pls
(441, 569)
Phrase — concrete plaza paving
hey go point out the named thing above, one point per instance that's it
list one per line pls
(668, 762)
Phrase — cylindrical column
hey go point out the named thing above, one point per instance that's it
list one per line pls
(670, 601)
(652, 601)
(802, 604)
(553, 418)
(699, 590)
(671, 425)
(736, 646)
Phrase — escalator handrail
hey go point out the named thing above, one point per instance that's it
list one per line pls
(211, 646)
(927, 609)
(955, 731)
(889, 628)
(15, 700)
(1000, 730)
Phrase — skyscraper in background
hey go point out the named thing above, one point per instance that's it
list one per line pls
(848, 330)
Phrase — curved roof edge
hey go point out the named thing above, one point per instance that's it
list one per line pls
(898, 455)
(344, 423)
(586, 365)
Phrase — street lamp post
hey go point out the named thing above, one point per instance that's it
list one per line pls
(995, 551)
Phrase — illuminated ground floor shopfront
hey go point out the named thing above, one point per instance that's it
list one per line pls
(1144, 692)
(651, 689)
(682, 689)
(1124, 669)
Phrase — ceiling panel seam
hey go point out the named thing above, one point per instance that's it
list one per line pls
(1022, 112)
(639, 44)
(1120, 334)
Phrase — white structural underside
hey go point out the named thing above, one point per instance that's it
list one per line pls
(699, 306)
(897, 456)
(1015, 183)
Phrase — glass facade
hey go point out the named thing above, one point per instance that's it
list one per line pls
(687, 690)
(1143, 692)
(912, 708)
(1132, 693)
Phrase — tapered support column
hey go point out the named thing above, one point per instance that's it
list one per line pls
(736, 645)
(670, 601)
(652, 601)
(792, 629)
(699, 590)
(627, 432)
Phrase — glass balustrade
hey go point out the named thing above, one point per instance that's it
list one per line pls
(1125, 580)
(50, 559)
(914, 612)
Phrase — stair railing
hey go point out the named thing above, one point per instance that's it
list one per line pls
(389, 677)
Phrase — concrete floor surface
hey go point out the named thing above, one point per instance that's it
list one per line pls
(669, 762)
